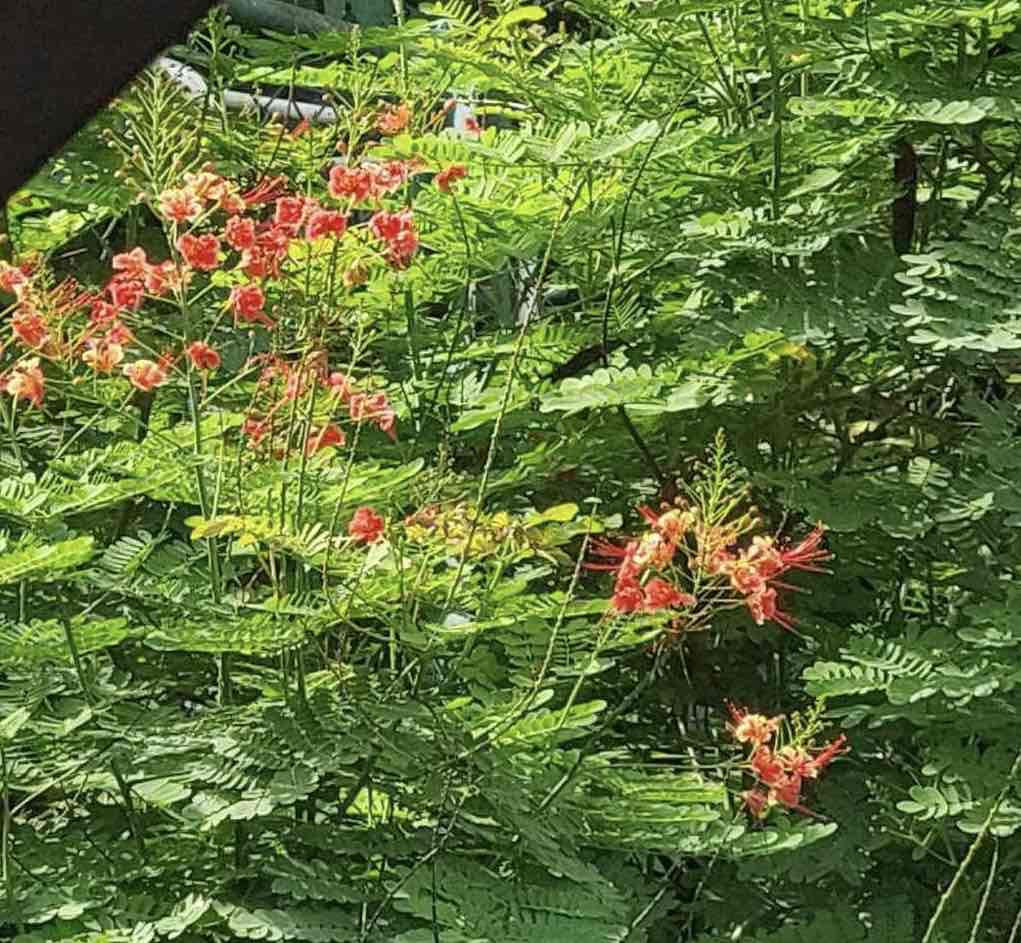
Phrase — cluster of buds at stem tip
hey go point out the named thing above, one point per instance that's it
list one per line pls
(780, 771)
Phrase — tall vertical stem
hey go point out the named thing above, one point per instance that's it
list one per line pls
(776, 119)
(129, 806)
(5, 835)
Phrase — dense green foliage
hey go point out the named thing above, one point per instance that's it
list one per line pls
(672, 271)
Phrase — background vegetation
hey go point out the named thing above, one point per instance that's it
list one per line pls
(233, 709)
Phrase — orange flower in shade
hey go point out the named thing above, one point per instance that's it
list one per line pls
(119, 334)
(29, 328)
(145, 375)
(102, 313)
(787, 791)
(27, 382)
(751, 569)
(232, 203)
(393, 119)
(798, 762)
(445, 178)
(627, 596)
(659, 594)
(762, 604)
(366, 526)
(13, 279)
(756, 729)
(202, 356)
(756, 802)
(247, 302)
(180, 206)
(339, 384)
(470, 125)
(355, 274)
(200, 252)
(102, 355)
(767, 766)
(240, 233)
(808, 554)
(781, 771)
(158, 279)
(672, 525)
(324, 438)
(376, 409)
(255, 430)
(827, 755)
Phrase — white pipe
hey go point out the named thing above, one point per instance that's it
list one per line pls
(192, 82)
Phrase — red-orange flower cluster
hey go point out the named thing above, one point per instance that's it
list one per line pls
(252, 240)
(752, 571)
(397, 230)
(200, 252)
(199, 193)
(14, 278)
(654, 551)
(282, 383)
(27, 382)
(146, 375)
(368, 182)
(681, 549)
(780, 771)
(247, 303)
(393, 119)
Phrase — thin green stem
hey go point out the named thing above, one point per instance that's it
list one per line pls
(776, 119)
(973, 849)
(5, 835)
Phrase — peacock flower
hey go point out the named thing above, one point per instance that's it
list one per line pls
(756, 729)
(132, 265)
(247, 302)
(323, 223)
(202, 356)
(628, 596)
(763, 606)
(324, 438)
(200, 252)
(366, 526)
(239, 233)
(393, 119)
(659, 594)
(145, 375)
(756, 802)
(29, 328)
(27, 382)
(102, 355)
(445, 179)
(179, 205)
(126, 294)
